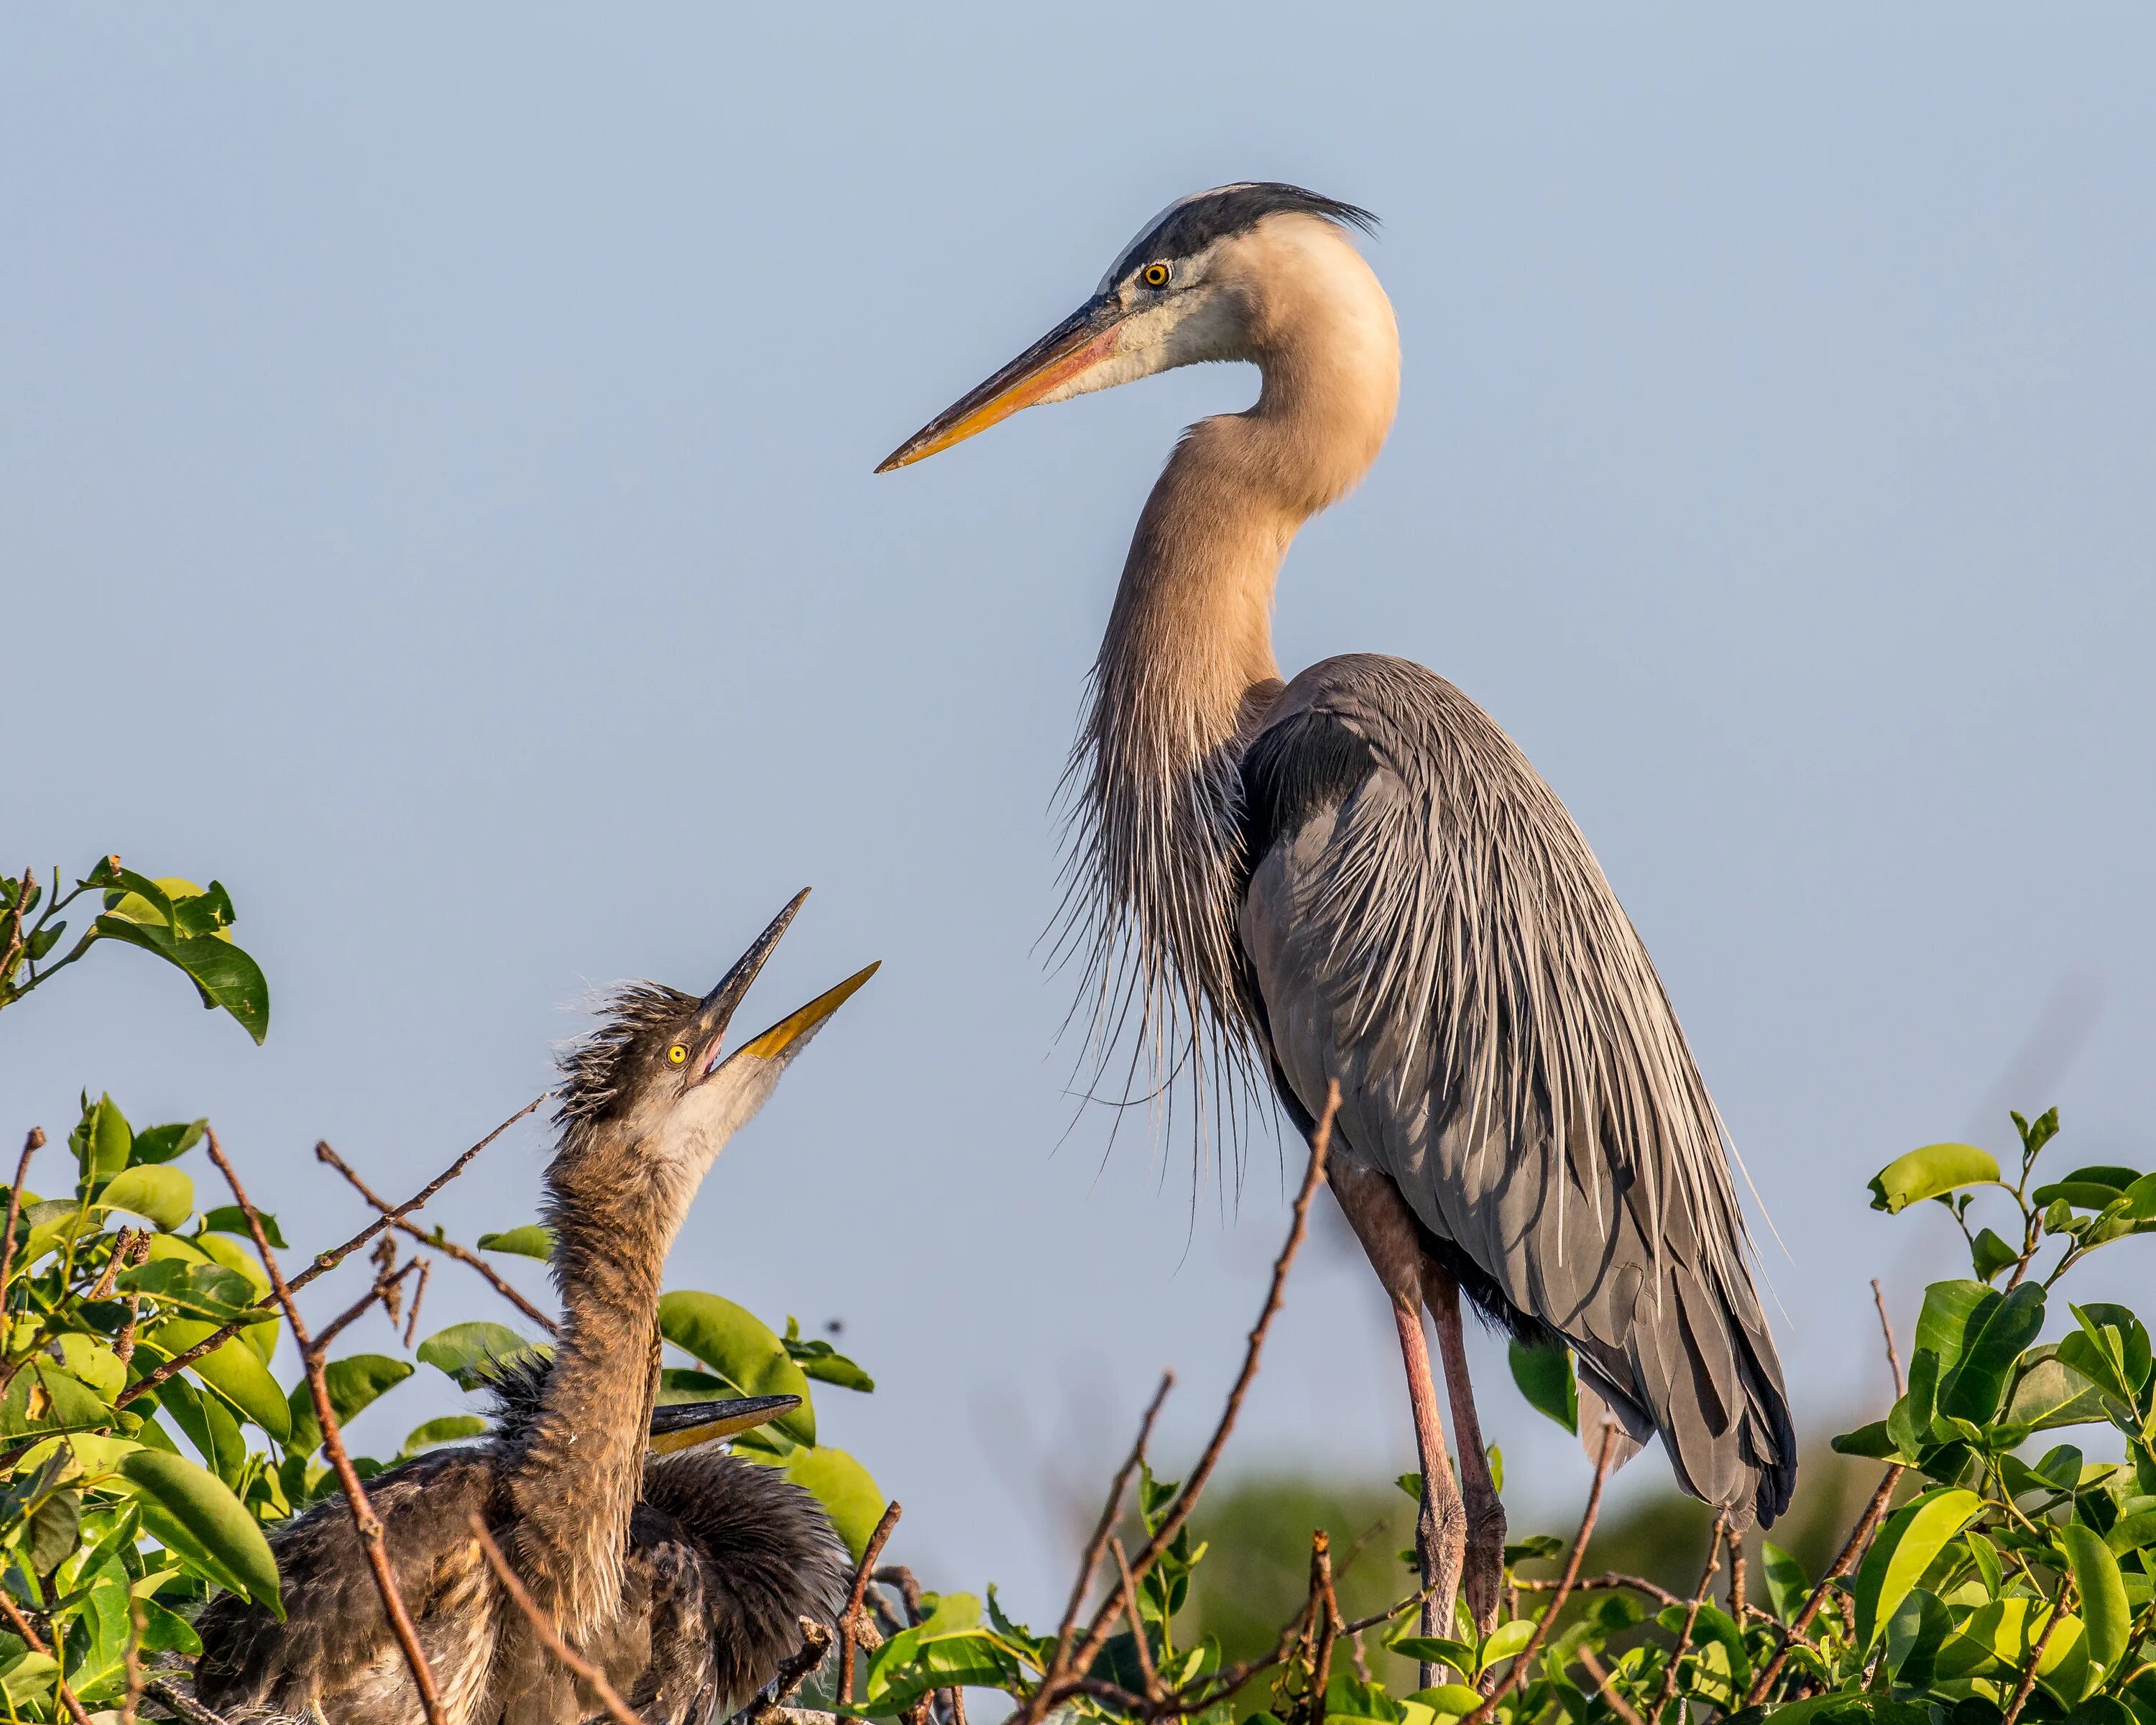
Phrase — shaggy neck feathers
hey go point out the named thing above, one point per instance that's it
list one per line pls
(1186, 668)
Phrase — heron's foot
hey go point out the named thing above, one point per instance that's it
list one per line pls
(1484, 1562)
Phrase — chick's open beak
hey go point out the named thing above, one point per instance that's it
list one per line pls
(791, 1033)
(1074, 345)
(683, 1426)
(707, 1041)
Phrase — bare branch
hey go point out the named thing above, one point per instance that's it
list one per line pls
(1622, 1708)
(850, 1624)
(31, 1639)
(1851, 1549)
(438, 1241)
(1186, 1500)
(364, 1519)
(1597, 1584)
(815, 1643)
(617, 1709)
(1542, 1624)
(1667, 1686)
(1137, 1622)
(323, 1264)
(1886, 1329)
(1109, 1511)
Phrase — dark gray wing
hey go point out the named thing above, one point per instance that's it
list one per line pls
(768, 1557)
(1426, 925)
(335, 1651)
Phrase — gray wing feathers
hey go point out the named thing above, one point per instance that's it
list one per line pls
(1436, 934)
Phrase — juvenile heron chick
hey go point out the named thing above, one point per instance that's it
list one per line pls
(634, 1582)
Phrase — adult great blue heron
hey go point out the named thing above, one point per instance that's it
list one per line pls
(622, 1553)
(1357, 876)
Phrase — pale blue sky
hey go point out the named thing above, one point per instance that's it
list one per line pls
(435, 498)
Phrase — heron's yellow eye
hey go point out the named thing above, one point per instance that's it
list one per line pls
(1156, 275)
(677, 1053)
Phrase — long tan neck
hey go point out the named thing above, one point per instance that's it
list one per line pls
(1187, 666)
(575, 1484)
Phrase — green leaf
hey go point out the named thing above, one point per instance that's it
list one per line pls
(819, 1360)
(1990, 1255)
(1447, 1700)
(353, 1382)
(844, 1487)
(1987, 1562)
(448, 1428)
(224, 975)
(2048, 1393)
(192, 1513)
(1545, 1377)
(741, 1349)
(1787, 1587)
(1930, 1172)
(162, 1195)
(231, 1369)
(163, 1143)
(2106, 1617)
(181, 1287)
(474, 1352)
(1998, 1330)
(1901, 1552)
(1506, 1641)
(1995, 1641)
(210, 1424)
(532, 1240)
(230, 1218)
(101, 1140)
(2141, 1199)
(45, 1399)
(1914, 1633)
(1435, 1650)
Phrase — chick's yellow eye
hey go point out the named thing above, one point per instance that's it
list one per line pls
(1156, 275)
(677, 1053)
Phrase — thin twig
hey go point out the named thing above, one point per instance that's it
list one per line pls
(1851, 1549)
(1597, 1584)
(1886, 1329)
(1542, 1624)
(364, 1519)
(418, 1295)
(850, 1624)
(1137, 1622)
(33, 1141)
(1110, 1512)
(1667, 1686)
(130, 1664)
(323, 1264)
(35, 1643)
(1325, 1623)
(793, 1673)
(1622, 1708)
(447, 1247)
(385, 1285)
(617, 1709)
(2036, 1653)
(1186, 1499)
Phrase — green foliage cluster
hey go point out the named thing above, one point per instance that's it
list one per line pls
(1982, 1584)
(1997, 1574)
(129, 1492)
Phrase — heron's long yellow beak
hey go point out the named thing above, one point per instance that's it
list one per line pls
(798, 1027)
(686, 1424)
(1073, 347)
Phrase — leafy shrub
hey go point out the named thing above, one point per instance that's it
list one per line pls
(146, 1441)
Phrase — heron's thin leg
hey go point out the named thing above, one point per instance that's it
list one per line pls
(1441, 1529)
(1485, 1563)
(1381, 1221)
